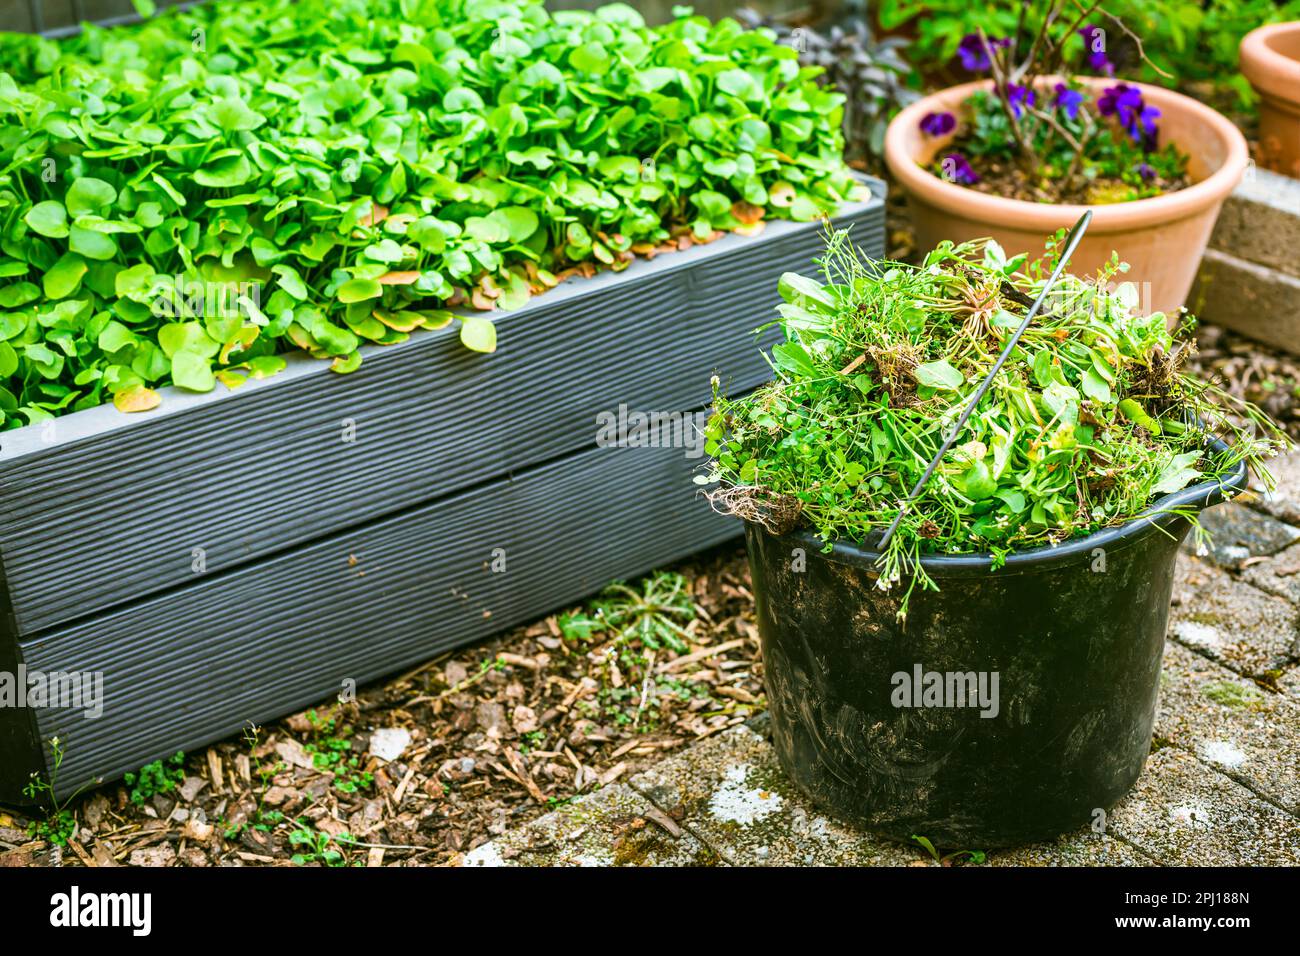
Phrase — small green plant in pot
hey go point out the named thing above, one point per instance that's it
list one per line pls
(990, 677)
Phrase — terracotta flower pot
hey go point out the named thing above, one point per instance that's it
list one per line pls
(1162, 238)
(1270, 59)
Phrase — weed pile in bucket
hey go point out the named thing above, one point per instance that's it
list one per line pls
(1087, 425)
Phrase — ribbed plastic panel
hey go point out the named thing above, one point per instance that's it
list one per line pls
(185, 668)
(99, 510)
(56, 18)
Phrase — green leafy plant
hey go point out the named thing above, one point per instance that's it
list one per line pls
(651, 614)
(332, 752)
(156, 778)
(973, 856)
(315, 847)
(183, 200)
(263, 820)
(638, 623)
(1089, 421)
(60, 823)
(58, 827)
(1198, 41)
(335, 756)
(937, 27)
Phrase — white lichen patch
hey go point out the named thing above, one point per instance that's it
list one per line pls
(1223, 752)
(485, 855)
(736, 802)
(1202, 635)
(1194, 814)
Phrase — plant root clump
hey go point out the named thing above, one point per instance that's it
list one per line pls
(774, 512)
(896, 371)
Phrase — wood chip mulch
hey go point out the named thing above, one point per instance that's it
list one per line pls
(487, 738)
(1268, 377)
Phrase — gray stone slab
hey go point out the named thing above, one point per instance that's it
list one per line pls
(1229, 621)
(1082, 848)
(1260, 221)
(611, 827)
(1289, 684)
(1283, 502)
(1238, 534)
(731, 793)
(1185, 813)
(1256, 300)
(1278, 575)
(1230, 723)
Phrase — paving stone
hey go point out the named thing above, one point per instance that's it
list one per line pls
(1289, 683)
(1228, 722)
(1081, 848)
(1185, 813)
(1283, 502)
(1238, 533)
(1278, 575)
(1229, 621)
(731, 793)
(611, 827)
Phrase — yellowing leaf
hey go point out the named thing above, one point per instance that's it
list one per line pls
(399, 321)
(231, 378)
(346, 363)
(436, 318)
(136, 398)
(377, 214)
(398, 278)
(781, 195)
(478, 334)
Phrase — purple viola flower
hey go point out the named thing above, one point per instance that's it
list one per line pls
(1125, 103)
(1108, 104)
(1067, 101)
(957, 169)
(937, 124)
(1094, 48)
(1147, 121)
(1146, 171)
(1020, 98)
(974, 56)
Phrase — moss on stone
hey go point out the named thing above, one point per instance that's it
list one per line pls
(1232, 694)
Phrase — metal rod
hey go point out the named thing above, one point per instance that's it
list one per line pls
(1071, 243)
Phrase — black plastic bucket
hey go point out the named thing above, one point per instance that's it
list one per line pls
(1072, 635)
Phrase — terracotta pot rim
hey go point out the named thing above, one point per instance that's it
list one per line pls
(1023, 215)
(1270, 72)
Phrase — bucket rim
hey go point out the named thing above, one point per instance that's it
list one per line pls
(1155, 519)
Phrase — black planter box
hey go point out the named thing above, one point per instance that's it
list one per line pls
(235, 556)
